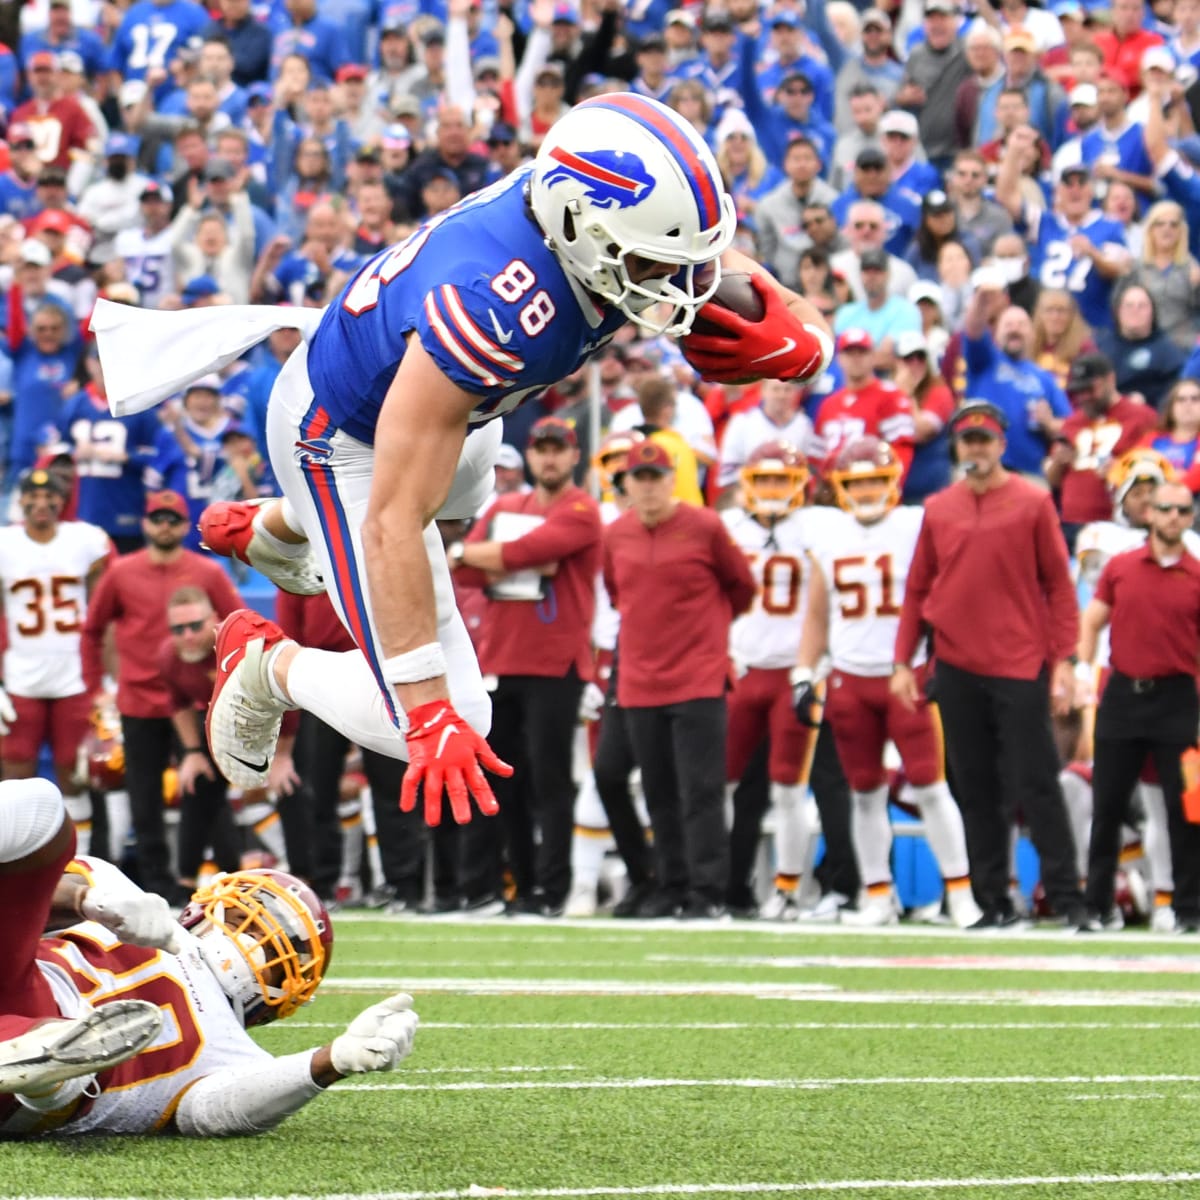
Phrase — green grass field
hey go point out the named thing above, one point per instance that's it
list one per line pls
(625, 1059)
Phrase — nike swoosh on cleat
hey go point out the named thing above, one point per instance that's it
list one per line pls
(789, 344)
(259, 767)
(503, 336)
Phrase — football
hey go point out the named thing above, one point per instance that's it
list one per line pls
(736, 293)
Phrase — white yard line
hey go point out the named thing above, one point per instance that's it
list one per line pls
(1068, 963)
(816, 1083)
(760, 1026)
(979, 1183)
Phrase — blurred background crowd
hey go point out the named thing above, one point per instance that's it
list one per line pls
(987, 201)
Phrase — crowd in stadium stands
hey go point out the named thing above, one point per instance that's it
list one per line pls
(989, 200)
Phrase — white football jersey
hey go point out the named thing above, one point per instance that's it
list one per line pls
(607, 621)
(44, 585)
(768, 635)
(866, 569)
(1095, 544)
(147, 263)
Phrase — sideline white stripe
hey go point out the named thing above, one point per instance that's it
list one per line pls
(793, 1085)
(820, 993)
(759, 1026)
(476, 1192)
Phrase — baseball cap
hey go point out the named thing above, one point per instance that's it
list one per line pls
(1019, 38)
(53, 219)
(549, 68)
(652, 43)
(680, 16)
(936, 201)
(941, 6)
(120, 145)
(68, 60)
(875, 259)
(717, 21)
(350, 71)
(35, 253)
(899, 121)
(978, 416)
(870, 157)
(552, 429)
(500, 133)
(649, 456)
(153, 190)
(924, 289)
(855, 339)
(406, 105)
(1069, 8)
(233, 429)
(219, 168)
(1158, 58)
(1084, 93)
(509, 457)
(876, 17)
(786, 18)
(199, 288)
(43, 58)
(259, 93)
(210, 382)
(36, 478)
(911, 341)
(445, 174)
(1072, 168)
(486, 63)
(1087, 368)
(392, 29)
(166, 501)
(19, 132)
(565, 14)
(132, 91)
(395, 137)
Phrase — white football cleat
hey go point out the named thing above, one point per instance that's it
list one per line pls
(782, 906)
(1162, 920)
(964, 912)
(873, 914)
(227, 528)
(582, 901)
(66, 1048)
(825, 911)
(244, 715)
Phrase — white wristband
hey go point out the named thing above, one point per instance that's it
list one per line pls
(799, 675)
(1085, 672)
(425, 662)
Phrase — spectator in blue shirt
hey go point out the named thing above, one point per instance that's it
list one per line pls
(151, 34)
(871, 182)
(790, 116)
(60, 34)
(249, 40)
(939, 225)
(999, 370)
(319, 40)
(787, 40)
(18, 185)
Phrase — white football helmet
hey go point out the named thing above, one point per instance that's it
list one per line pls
(621, 174)
(267, 938)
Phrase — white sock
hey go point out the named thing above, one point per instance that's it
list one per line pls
(79, 809)
(1077, 793)
(341, 689)
(794, 829)
(943, 828)
(286, 549)
(350, 816)
(291, 518)
(120, 822)
(872, 833)
(1156, 839)
(371, 836)
(592, 838)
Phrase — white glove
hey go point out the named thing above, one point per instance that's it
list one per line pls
(591, 703)
(8, 714)
(378, 1039)
(139, 918)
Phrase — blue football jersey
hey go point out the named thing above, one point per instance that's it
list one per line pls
(489, 302)
(1054, 265)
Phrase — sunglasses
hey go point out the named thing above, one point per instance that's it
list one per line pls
(793, 90)
(187, 627)
(1168, 224)
(1182, 510)
(867, 225)
(21, 146)
(165, 518)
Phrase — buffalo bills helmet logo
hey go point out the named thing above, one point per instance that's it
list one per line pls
(613, 178)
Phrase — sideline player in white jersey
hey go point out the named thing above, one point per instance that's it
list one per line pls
(861, 556)
(1132, 480)
(770, 525)
(483, 307)
(123, 1021)
(48, 569)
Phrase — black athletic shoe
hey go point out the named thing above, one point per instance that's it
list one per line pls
(633, 899)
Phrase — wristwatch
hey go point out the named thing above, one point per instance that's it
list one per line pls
(454, 554)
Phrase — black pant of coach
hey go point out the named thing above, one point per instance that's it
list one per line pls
(1001, 753)
(533, 728)
(148, 745)
(681, 751)
(1140, 718)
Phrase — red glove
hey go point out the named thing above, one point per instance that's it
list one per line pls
(780, 346)
(444, 750)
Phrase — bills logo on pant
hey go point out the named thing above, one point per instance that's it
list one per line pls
(613, 178)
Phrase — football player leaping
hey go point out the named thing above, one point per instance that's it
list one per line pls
(125, 1022)
(770, 527)
(861, 557)
(616, 221)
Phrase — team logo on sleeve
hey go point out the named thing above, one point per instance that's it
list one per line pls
(612, 178)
